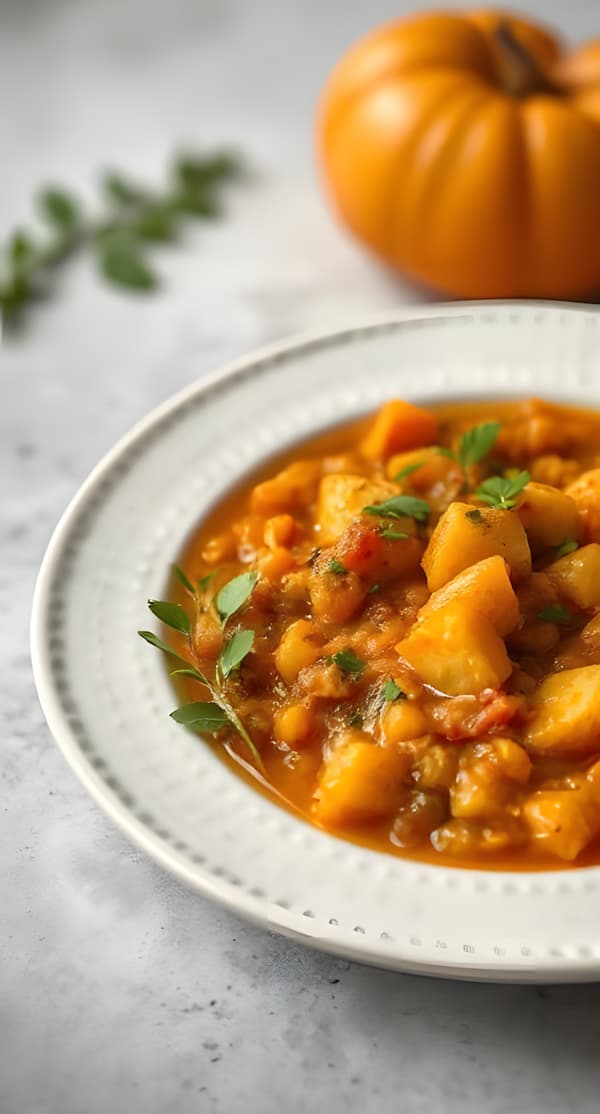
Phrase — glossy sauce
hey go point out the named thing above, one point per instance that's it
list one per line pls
(555, 444)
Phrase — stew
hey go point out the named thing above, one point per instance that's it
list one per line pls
(416, 655)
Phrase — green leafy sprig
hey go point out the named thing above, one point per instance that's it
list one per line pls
(400, 506)
(502, 492)
(210, 716)
(134, 218)
(555, 613)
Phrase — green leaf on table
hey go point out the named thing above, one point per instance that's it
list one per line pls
(400, 506)
(234, 595)
(477, 443)
(121, 261)
(204, 715)
(59, 209)
(234, 651)
(120, 189)
(155, 222)
(20, 249)
(171, 614)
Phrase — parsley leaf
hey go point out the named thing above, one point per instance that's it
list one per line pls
(408, 470)
(348, 662)
(154, 640)
(234, 652)
(234, 594)
(183, 579)
(477, 443)
(498, 491)
(555, 614)
(336, 567)
(568, 546)
(203, 715)
(171, 614)
(394, 535)
(400, 506)
(391, 691)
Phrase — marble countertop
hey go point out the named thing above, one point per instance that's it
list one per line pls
(119, 989)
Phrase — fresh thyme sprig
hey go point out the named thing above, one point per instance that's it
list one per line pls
(210, 716)
(134, 218)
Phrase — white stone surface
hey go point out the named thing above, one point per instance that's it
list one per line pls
(120, 990)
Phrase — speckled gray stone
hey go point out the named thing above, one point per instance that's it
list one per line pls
(119, 989)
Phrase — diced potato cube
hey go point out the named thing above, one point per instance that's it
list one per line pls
(299, 647)
(456, 652)
(360, 781)
(565, 713)
(293, 724)
(342, 498)
(399, 426)
(585, 491)
(577, 576)
(484, 777)
(549, 516)
(465, 535)
(293, 487)
(486, 589)
(563, 821)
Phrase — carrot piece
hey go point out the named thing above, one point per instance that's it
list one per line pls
(397, 427)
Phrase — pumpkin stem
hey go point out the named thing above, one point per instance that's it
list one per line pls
(521, 75)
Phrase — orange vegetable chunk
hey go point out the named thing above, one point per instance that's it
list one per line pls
(399, 426)
(565, 712)
(359, 780)
(465, 535)
(484, 588)
(456, 651)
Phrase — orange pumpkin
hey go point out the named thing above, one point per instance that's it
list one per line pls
(464, 149)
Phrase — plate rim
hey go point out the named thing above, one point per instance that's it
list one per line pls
(225, 894)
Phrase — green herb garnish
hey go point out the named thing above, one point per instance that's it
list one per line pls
(408, 470)
(234, 595)
(348, 662)
(393, 535)
(336, 567)
(568, 546)
(210, 716)
(400, 506)
(374, 588)
(391, 691)
(555, 614)
(477, 443)
(498, 491)
(134, 218)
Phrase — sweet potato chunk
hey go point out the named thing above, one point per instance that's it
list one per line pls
(565, 713)
(456, 651)
(433, 468)
(549, 516)
(293, 487)
(360, 781)
(342, 498)
(577, 576)
(484, 588)
(585, 491)
(563, 821)
(465, 535)
(399, 426)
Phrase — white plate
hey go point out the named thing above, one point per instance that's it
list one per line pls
(106, 695)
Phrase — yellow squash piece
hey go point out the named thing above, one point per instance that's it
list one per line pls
(456, 651)
(485, 589)
(565, 713)
(585, 491)
(465, 535)
(563, 821)
(342, 498)
(549, 516)
(577, 576)
(397, 427)
(360, 781)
